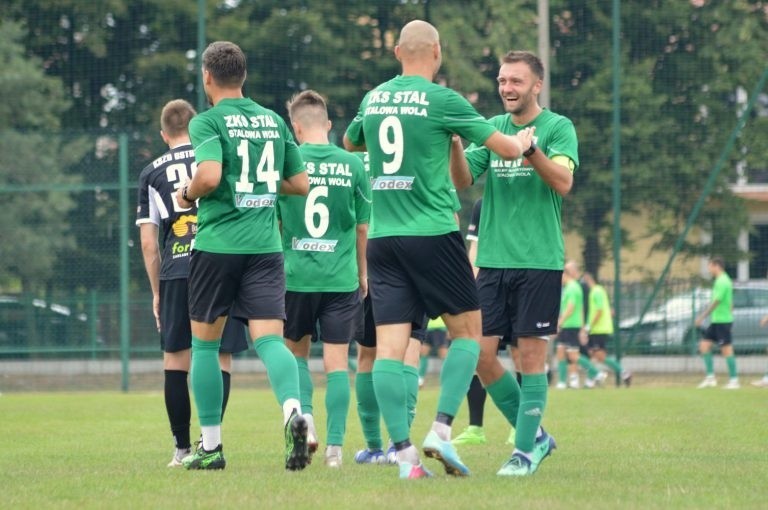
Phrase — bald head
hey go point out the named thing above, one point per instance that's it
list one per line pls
(571, 268)
(417, 38)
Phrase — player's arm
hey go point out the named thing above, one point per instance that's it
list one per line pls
(349, 146)
(150, 250)
(297, 184)
(556, 172)
(510, 146)
(460, 174)
(206, 180)
(362, 261)
(569, 308)
(708, 310)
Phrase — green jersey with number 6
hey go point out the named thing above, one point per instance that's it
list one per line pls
(320, 230)
(256, 151)
(406, 125)
(520, 219)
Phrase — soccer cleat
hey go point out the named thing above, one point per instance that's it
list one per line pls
(517, 465)
(733, 384)
(443, 451)
(561, 386)
(589, 383)
(421, 382)
(333, 456)
(626, 378)
(410, 471)
(471, 435)
(178, 456)
(761, 383)
(542, 449)
(296, 449)
(204, 459)
(391, 454)
(601, 377)
(573, 382)
(708, 382)
(368, 456)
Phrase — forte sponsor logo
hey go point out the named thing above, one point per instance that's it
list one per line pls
(309, 244)
(254, 201)
(386, 183)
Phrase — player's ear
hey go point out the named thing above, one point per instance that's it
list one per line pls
(328, 126)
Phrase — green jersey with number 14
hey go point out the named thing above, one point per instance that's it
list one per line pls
(320, 230)
(256, 151)
(406, 125)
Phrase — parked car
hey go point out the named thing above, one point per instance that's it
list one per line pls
(49, 325)
(670, 327)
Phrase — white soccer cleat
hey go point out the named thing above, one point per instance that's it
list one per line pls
(333, 456)
(708, 382)
(178, 455)
(561, 386)
(573, 382)
(733, 384)
(761, 383)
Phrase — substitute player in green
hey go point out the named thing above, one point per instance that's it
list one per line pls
(600, 328)
(245, 156)
(324, 241)
(520, 267)
(417, 262)
(719, 330)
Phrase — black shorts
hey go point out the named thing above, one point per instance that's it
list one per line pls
(525, 302)
(365, 330)
(175, 330)
(508, 341)
(719, 333)
(336, 312)
(569, 337)
(245, 287)
(598, 341)
(410, 276)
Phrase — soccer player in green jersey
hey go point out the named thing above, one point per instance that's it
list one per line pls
(324, 240)
(520, 268)
(417, 262)
(719, 330)
(245, 156)
(160, 217)
(599, 327)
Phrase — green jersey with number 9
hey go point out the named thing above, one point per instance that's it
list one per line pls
(256, 151)
(406, 125)
(320, 230)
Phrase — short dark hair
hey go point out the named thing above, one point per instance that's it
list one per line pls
(226, 63)
(718, 261)
(307, 106)
(175, 117)
(529, 58)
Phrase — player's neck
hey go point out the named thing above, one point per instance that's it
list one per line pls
(526, 117)
(417, 68)
(179, 141)
(222, 93)
(319, 137)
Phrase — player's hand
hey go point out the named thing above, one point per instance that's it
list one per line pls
(363, 286)
(156, 310)
(764, 321)
(698, 321)
(526, 138)
(583, 337)
(183, 202)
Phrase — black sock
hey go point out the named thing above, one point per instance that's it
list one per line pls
(178, 407)
(225, 376)
(476, 402)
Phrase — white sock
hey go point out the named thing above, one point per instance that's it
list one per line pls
(526, 455)
(442, 430)
(288, 407)
(539, 432)
(410, 455)
(211, 437)
(310, 424)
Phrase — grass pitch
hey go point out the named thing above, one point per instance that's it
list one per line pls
(644, 447)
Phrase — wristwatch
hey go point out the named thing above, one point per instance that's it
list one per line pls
(184, 194)
(530, 150)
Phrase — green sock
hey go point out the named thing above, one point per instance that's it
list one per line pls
(731, 362)
(562, 371)
(614, 365)
(588, 366)
(505, 393)
(306, 388)
(337, 406)
(709, 364)
(389, 385)
(423, 365)
(458, 368)
(206, 382)
(282, 371)
(411, 375)
(533, 400)
(368, 410)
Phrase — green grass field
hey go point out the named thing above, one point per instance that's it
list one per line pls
(644, 447)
